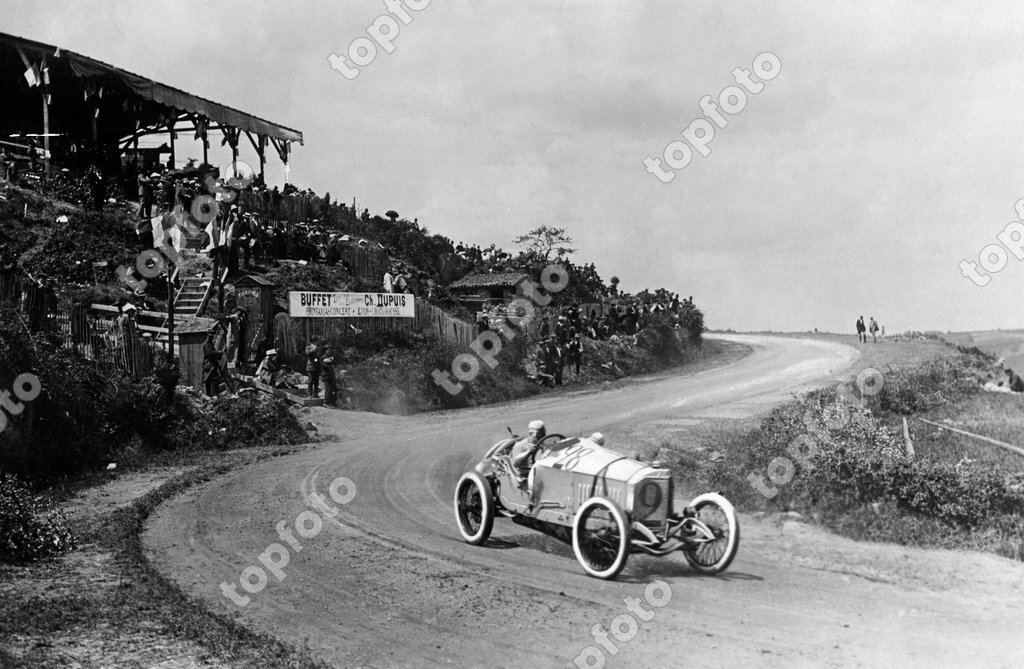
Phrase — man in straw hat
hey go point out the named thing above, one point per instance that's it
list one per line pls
(269, 371)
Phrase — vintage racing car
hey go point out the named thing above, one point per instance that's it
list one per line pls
(603, 503)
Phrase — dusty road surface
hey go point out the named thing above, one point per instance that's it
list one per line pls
(388, 582)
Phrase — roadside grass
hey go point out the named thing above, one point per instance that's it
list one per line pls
(846, 465)
(57, 614)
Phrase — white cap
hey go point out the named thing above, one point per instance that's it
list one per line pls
(597, 438)
(272, 351)
(536, 425)
(128, 307)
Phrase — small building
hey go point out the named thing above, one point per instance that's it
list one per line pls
(476, 290)
(255, 295)
(191, 336)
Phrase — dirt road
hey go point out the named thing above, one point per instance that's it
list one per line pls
(388, 582)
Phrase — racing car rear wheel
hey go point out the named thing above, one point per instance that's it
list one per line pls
(600, 537)
(474, 508)
(717, 514)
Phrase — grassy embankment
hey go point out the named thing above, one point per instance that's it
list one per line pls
(839, 455)
(105, 605)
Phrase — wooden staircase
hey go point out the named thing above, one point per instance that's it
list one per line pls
(191, 299)
(192, 242)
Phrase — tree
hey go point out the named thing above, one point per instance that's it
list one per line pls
(544, 240)
(615, 285)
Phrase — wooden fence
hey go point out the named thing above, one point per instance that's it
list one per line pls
(92, 334)
(428, 319)
(294, 208)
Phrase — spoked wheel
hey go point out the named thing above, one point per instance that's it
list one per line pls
(474, 508)
(711, 556)
(600, 538)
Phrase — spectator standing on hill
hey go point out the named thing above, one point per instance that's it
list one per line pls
(861, 330)
(575, 353)
(145, 186)
(33, 155)
(344, 389)
(97, 188)
(313, 370)
(873, 329)
(328, 377)
(389, 282)
(561, 330)
(401, 285)
(126, 330)
(554, 360)
(4, 160)
(211, 366)
(240, 320)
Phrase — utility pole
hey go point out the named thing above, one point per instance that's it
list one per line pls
(170, 316)
(46, 118)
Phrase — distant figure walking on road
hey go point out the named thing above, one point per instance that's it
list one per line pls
(873, 329)
(861, 330)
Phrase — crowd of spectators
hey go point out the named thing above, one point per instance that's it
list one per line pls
(559, 339)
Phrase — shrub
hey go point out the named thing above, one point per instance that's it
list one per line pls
(72, 247)
(27, 530)
(933, 384)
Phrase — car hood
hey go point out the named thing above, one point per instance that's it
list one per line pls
(582, 456)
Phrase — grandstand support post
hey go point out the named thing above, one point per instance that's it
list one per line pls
(170, 130)
(170, 318)
(46, 136)
(46, 118)
(260, 145)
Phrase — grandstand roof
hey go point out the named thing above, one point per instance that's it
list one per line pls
(81, 87)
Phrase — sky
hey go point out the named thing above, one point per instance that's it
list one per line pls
(888, 148)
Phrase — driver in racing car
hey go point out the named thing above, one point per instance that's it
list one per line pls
(525, 449)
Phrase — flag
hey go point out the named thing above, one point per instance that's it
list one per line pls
(166, 238)
(32, 76)
(211, 233)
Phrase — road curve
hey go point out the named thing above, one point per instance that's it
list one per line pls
(388, 582)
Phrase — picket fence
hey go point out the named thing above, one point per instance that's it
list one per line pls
(90, 333)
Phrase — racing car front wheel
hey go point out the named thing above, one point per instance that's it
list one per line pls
(710, 555)
(474, 508)
(600, 538)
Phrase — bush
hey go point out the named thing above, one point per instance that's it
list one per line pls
(27, 530)
(84, 417)
(72, 247)
(933, 384)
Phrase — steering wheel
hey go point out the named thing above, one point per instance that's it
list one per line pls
(540, 444)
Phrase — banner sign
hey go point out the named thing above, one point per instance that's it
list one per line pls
(308, 304)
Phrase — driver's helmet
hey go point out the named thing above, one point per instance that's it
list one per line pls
(597, 438)
(537, 429)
